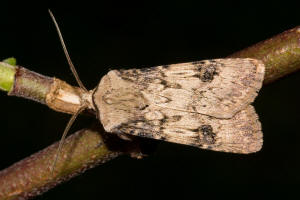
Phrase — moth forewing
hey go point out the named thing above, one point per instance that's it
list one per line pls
(204, 104)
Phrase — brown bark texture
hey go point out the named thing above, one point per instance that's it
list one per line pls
(280, 54)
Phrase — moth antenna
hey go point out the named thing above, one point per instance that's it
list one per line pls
(72, 67)
(61, 142)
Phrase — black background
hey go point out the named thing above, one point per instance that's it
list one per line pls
(125, 34)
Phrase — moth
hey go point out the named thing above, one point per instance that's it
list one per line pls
(205, 104)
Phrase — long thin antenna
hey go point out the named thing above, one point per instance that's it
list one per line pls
(62, 140)
(66, 53)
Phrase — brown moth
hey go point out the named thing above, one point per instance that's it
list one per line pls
(205, 104)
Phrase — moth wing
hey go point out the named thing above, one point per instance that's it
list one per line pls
(218, 88)
(165, 102)
(240, 134)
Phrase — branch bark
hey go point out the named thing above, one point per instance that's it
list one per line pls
(280, 54)
(32, 176)
(90, 147)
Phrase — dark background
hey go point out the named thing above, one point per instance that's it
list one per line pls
(137, 34)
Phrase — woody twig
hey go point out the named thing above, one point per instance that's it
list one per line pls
(88, 147)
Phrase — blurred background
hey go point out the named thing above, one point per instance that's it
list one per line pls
(123, 34)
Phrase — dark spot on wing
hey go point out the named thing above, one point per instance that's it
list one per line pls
(208, 134)
(208, 73)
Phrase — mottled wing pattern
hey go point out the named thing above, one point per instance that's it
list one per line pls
(218, 88)
(204, 104)
(240, 134)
